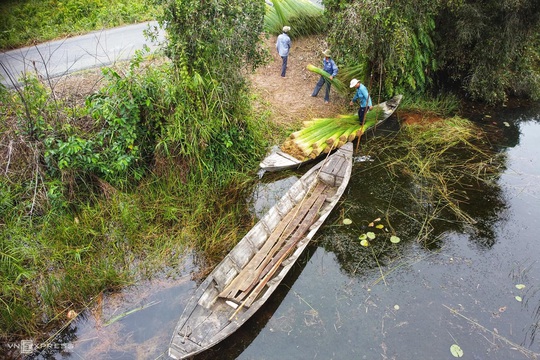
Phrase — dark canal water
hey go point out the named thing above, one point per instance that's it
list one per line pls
(411, 300)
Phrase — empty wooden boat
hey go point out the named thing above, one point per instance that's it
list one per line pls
(242, 282)
(280, 160)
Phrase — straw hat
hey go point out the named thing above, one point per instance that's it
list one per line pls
(354, 82)
(327, 53)
(286, 29)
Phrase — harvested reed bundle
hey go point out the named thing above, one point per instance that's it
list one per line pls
(321, 135)
(338, 85)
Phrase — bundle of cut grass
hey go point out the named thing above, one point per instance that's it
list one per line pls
(303, 16)
(323, 135)
(338, 85)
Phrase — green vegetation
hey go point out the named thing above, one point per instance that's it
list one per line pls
(98, 195)
(95, 197)
(443, 106)
(324, 135)
(33, 21)
(405, 46)
(304, 17)
(447, 163)
(338, 85)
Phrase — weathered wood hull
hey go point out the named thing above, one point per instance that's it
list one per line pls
(243, 281)
(280, 160)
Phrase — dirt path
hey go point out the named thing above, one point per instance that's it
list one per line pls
(290, 97)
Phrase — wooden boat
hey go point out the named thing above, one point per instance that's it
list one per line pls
(280, 160)
(243, 281)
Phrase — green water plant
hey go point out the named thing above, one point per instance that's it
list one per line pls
(447, 161)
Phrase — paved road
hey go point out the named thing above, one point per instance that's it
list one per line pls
(61, 57)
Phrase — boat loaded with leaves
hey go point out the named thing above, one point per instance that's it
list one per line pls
(321, 136)
(243, 281)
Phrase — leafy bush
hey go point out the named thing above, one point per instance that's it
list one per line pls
(485, 50)
(391, 41)
(144, 119)
(494, 48)
(154, 161)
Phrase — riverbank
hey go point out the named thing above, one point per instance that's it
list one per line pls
(141, 231)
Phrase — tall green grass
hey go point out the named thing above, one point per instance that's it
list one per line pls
(443, 105)
(73, 224)
(32, 21)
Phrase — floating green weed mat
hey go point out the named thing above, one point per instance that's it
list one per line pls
(447, 163)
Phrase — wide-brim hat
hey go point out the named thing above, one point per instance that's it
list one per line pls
(286, 28)
(327, 53)
(354, 82)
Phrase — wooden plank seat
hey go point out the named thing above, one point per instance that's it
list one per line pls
(332, 171)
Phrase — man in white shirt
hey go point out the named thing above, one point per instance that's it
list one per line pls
(283, 45)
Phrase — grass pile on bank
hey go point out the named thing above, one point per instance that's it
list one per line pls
(304, 17)
(323, 135)
(96, 197)
(32, 21)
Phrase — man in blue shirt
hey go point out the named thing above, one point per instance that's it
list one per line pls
(283, 45)
(330, 67)
(363, 97)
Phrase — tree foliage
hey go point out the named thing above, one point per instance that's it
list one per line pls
(389, 40)
(217, 38)
(489, 49)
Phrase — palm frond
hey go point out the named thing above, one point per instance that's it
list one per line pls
(339, 86)
(304, 17)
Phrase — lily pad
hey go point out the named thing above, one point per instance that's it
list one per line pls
(370, 235)
(520, 286)
(347, 221)
(518, 298)
(364, 243)
(456, 350)
(362, 237)
(394, 239)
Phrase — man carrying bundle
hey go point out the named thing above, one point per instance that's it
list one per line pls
(331, 68)
(363, 97)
